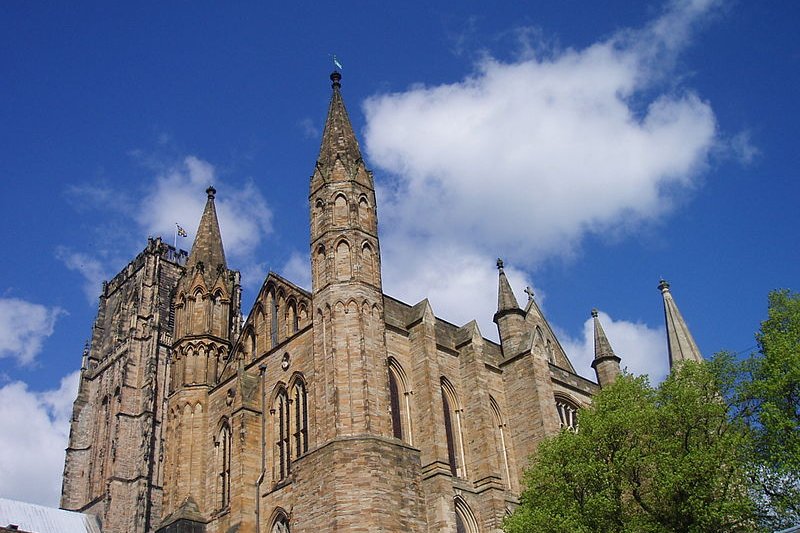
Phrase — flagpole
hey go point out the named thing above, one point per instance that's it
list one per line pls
(175, 240)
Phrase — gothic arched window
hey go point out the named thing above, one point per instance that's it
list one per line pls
(452, 428)
(280, 524)
(399, 402)
(364, 215)
(342, 261)
(291, 322)
(500, 440)
(567, 413)
(300, 400)
(273, 333)
(223, 453)
(280, 412)
(465, 520)
(340, 210)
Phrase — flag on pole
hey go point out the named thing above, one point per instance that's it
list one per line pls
(181, 231)
(337, 62)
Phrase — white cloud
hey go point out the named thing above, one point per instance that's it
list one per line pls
(460, 285)
(742, 148)
(93, 270)
(523, 159)
(643, 349)
(23, 328)
(309, 128)
(298, 270)
(177, 197)
(35, 431)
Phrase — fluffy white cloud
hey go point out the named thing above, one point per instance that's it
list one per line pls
(523, 159)
(176, 196)
(460, 284)
(23, 328)
(35, 431)
(643, 349)
(93, 270)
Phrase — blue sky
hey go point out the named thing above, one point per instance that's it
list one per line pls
(594, 146)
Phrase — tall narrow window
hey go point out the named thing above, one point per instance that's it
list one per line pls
(452, 427)
(448, 430)
(281, 413)
(394, 398)
(399, 402)
(500, 440)
(300, 418)
(291, 309)
(273, 334)
(364, 213)
(224, 464)
(342, 261)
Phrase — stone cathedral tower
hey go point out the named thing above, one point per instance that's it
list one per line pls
(335, 409)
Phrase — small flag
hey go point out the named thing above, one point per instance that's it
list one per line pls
(337, 63)
(181, 231)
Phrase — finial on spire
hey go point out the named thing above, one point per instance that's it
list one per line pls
(663, 286)
(529, 292)
(499, 264)
(336, 78)
(211, 192)
(594, 313)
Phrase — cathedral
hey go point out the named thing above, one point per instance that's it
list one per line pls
(335, 409)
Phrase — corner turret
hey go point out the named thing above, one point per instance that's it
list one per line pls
(510, 319)
(606, 362)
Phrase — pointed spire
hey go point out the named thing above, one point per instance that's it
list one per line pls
(602, 348)
(505, 296)
(338, 138)
(606, 362)
(680, 342)
(207, 255)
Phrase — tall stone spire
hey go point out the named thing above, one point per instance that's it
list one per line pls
(338, 138)
(606, 362)
(207, 254)
(680, 343)
(505, 296)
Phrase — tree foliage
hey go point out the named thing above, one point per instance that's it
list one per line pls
(715, 447)
(645, 459)
(769, 400)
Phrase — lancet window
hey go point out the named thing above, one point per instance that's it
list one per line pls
(567, 413)
(280, 524)
(452, 427)
(465, 520)
(223, 453)
(300, 401)
(280, 412)
(500, 440)
(399, 402)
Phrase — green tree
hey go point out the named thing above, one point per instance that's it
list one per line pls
(644, 459)
(769, 399)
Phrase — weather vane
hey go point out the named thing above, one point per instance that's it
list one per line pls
(336, 62)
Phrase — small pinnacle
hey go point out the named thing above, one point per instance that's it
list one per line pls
(663, 286)
(499, 264)
(336, 78)
(211, 192)
(594, 313)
